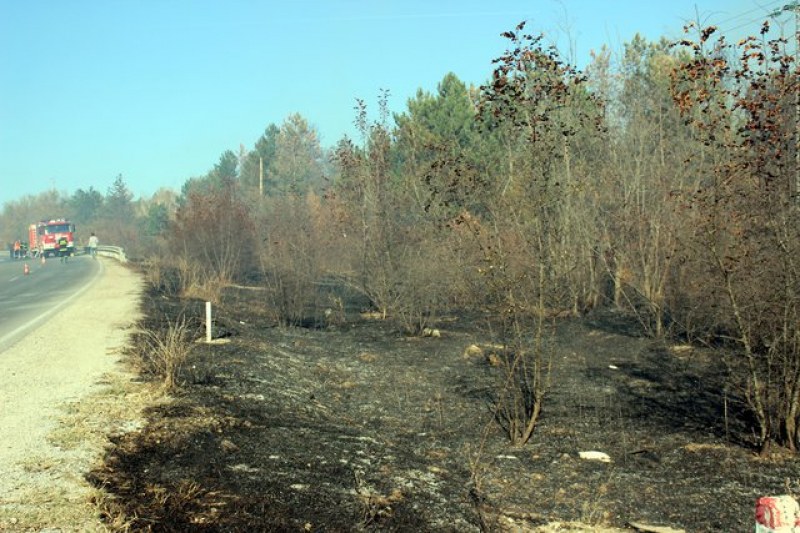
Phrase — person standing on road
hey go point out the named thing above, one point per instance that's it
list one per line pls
(93, 241)
(63, 249)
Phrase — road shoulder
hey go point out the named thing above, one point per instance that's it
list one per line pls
(58, 406)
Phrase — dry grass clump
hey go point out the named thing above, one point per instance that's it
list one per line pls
(166, 350)
(180, 276)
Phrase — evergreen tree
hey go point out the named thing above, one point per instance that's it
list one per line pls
(86, 205)
(119, 201)
(259, 161)
(297, 165)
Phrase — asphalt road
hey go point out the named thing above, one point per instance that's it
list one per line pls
(29, 300)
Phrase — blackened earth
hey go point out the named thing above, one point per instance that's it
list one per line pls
(359, 427)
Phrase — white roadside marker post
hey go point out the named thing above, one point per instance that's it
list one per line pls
(208, 321)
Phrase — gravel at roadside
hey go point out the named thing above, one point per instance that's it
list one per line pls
(58, 404)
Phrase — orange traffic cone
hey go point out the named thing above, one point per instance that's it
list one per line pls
(26, 269)
(42, 258)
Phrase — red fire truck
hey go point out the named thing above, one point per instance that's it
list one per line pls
(44, 236)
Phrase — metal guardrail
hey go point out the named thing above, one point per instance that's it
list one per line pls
(115, 252)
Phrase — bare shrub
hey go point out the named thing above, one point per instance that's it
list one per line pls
(366, 190)
(212, 239)
(746, 241)
(289, 259)
(399, 253)
(519, 298)
(535, 108)
(426, 279)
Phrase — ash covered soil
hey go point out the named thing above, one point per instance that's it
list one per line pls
(359, 427)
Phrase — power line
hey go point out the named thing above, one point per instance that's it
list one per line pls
(767, 15)
(745, 24)
(767, 9)
(768, 6)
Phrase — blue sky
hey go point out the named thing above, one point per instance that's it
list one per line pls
(157, 90)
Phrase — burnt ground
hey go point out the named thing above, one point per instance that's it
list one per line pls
(358, 427)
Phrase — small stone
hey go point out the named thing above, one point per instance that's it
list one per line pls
(228, 446)
(473, 350)
(595, 456)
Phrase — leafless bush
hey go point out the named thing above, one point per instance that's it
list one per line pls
(747, 235)
(531, 263)
(426, 279)
(402, 256)
(518, 300)
(290, 261)
(213, 239)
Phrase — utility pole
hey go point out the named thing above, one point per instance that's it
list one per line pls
(261, 176)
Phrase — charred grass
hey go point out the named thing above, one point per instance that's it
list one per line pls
(358, 427)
